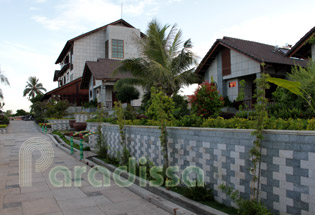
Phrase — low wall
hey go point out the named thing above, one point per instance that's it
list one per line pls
(3, 130)
(59, 124)
(81, 117)
(288, 160)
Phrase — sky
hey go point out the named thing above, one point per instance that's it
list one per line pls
(33, 32)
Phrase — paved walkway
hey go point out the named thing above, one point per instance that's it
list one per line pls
(43, 198)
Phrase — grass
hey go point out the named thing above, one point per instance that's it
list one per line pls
(62, 136)
(3, 126)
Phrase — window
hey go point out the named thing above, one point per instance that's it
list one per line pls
(117, 49)
(232, 84)
(71, 77)
(68, 76)
(226, 61)
(106, 49)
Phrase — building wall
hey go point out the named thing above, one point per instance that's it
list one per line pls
(212, 71)
(313, 52)
(288, 160)
(130, 36)
(232, 92)
(242, 65)
(88, 48)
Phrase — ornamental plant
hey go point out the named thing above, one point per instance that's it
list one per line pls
(206, 101)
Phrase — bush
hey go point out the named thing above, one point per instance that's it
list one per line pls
(206, 101)
(90, 104)
(56, 109)
(3, 126)
(190, 121)
(125, 94)
(227, 115)
(4, 119)
(199, 193)
(181, 106)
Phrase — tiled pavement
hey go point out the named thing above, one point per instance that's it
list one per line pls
(44, 198)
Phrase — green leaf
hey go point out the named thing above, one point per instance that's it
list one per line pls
(292, 86)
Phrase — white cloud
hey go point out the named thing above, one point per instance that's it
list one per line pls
(76, 15)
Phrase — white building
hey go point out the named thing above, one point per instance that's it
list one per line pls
(117, 41)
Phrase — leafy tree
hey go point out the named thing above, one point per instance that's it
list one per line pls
(301, 83)
(167, 62)
(4, 80)
(21, 112)
(33, 87)
(126, 94)
(181, 106)
(56, 109)
(206, 101)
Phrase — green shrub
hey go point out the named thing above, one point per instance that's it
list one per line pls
(311, 124)
(206, 101)
(190, 121)
(181, 106)
(199, 193)
(245, 207)
(3, 126)
(4, 119)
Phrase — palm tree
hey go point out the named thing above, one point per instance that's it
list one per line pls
(167, 62)
(4, 80)
(33, 87)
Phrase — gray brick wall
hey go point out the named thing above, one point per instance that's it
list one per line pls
(288, 160)
(59, 124)
(3, 130)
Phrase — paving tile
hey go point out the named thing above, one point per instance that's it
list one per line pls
(138, 205)
(12, 205)
(12, 211)
(84, 211)
(119, 195)
(68, 193)
(97, 193)
(40, 206)
(12, 186)
(73, 204)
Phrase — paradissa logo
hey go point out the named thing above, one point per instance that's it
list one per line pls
(46, 151)
(156, 176)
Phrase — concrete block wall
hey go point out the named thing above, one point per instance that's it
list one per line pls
(288, 161)
(81, 117)
(59, 124)
(3, 130)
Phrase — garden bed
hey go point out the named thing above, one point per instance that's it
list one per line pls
(177, 195)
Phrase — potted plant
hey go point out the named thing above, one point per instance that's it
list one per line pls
(71, 121)
(79, 126)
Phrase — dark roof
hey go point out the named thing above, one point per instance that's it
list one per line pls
(71, 88)
(257, 51)
(103, 69)
(301, 44)
(69, 43)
